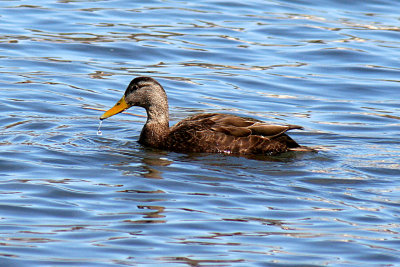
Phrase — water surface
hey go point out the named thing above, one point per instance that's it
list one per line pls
(70, 197)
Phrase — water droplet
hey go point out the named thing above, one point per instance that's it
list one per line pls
(98, 129)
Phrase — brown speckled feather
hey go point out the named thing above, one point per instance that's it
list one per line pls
(223, 133)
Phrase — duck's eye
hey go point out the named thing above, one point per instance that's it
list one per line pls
(131, 88)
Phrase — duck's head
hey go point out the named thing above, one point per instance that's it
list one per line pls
(143, 92)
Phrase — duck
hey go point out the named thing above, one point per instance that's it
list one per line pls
(201, 133)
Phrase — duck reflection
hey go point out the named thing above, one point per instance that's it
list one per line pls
(142, 163)
(146, 167)
(150, 163)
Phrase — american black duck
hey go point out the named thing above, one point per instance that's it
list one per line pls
(210, 132)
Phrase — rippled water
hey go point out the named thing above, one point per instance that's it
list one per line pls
(70, 197)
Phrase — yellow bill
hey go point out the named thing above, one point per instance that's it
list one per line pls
(117, 108)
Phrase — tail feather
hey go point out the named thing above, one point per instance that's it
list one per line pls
(303, 149)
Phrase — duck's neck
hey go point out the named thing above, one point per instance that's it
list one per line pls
(156, 129)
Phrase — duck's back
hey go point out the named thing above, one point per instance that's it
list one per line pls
(225, 133)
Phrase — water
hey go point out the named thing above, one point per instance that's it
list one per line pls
(70, 197)
(99, 132)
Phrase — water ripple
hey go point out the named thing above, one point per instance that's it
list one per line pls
(69, 196)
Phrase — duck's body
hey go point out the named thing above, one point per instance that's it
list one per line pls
(210, 133)
(223, 133)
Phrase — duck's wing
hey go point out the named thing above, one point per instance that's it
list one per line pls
(241, 127)
(271, 130)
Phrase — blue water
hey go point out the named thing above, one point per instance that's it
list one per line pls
(70, 197)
